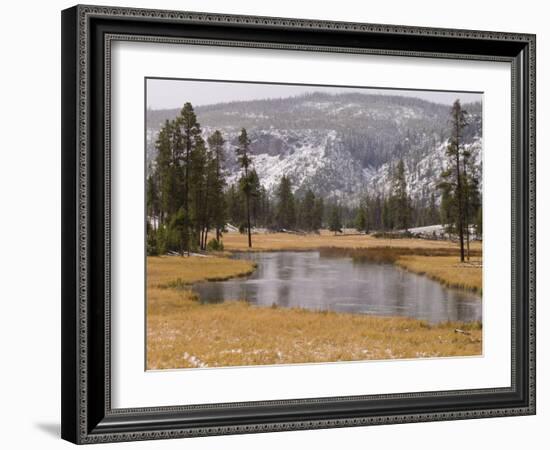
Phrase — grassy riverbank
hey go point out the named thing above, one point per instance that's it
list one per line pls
(181, 332)
(447, 270)
(440, 264)
(167, 271)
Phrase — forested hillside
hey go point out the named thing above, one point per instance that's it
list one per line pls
(370, 162)
(337, 145)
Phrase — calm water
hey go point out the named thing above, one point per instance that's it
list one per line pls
(308, 280)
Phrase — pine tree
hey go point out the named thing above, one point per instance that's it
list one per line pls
(446, 208)
(198, 188)
(218, 206)
(152, 241)
(210, 199)
(235, 205)
(165, 173)
(255, 188)
(286, 212)
(335, 222)
(152, 201)
(265, 208)
(318, 213)
(177, 231)
(387, 214)
(476, 206)
(479, 222)
(186, 140)
(472, 200)
(361, 217)
(375, 207)
(466, 199)
(452, 179)
(360, 220)
(400, 204)
(308, 211)
(245, 183)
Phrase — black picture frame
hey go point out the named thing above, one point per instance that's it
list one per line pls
(87, 416)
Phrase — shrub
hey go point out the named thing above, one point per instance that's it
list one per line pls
(161, 240)
(214, 245)
(152, 244)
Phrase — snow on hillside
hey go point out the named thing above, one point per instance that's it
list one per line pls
(339, 146)
(423, 176)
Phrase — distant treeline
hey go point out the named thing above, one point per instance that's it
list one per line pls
(188, 196)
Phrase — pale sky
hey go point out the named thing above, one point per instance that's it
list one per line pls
(169, 93)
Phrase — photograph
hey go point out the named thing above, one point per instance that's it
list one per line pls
(299, 224)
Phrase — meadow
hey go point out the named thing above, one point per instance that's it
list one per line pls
(313, 241)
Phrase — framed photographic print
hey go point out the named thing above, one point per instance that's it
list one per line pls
(278, 224)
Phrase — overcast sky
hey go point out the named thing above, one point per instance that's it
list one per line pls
(163, 94)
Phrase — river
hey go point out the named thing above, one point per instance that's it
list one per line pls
(309, 280)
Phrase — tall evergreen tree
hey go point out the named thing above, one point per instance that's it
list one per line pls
(318, 213)
(188, 142)
(307, 215)
(335, 221)
(375, 208)
(387, 214)
(245, 183)
(400, 204)
(362, 216)
(452, 179)
(472, 199)
(235, 205)
(177, 232)
(476, 208)
(360, 220)
(218, 206)
(286, 212)
(265, 213)
(479, 222)
(198, 190)
(447, 208)
(255, 200)
(466, 181)
(152, 200)
(164, 169)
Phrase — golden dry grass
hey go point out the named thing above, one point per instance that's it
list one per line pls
(181, 332)
(175, 271)
(286, 241)
(446, 269)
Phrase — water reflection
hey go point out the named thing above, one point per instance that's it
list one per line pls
(307, 280)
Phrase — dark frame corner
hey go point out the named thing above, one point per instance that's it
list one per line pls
(87, 416)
